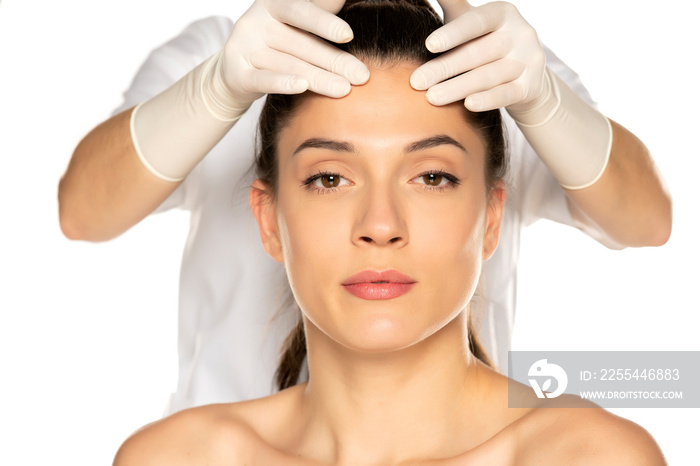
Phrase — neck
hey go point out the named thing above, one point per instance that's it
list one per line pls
(369, 408)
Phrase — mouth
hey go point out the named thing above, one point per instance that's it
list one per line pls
(379, 277)
(374, 285)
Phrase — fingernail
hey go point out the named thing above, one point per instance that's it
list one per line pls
(435, 96)
(361, 74)
(434, 43)
(418, 81)
(472, 103)
(344, 34)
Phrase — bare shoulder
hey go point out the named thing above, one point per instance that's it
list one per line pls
(212, 434)
(206, 435)
(584, 435)
(618, 441)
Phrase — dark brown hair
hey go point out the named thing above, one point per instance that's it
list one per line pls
(386, 33)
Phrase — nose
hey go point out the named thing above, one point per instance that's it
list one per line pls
(380, 219)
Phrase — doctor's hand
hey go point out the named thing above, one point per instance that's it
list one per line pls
(494, 59)
(276, 47)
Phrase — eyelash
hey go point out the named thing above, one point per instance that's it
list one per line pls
(308, 182)
(453, 181)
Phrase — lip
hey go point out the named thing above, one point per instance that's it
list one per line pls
(373, 285)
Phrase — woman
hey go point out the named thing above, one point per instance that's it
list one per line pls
(383, 208)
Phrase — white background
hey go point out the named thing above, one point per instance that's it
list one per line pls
(88, 331)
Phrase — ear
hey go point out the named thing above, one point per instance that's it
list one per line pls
(265, 210)
(494, 213)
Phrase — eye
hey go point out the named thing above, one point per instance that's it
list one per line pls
(433, 179)
(329, 181)
(325, 181)
(436, 179)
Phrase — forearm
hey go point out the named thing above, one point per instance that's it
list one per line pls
(630, 204)
(131, 163)
(614, 191)
(106, 189)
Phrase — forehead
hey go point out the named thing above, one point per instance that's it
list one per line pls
(386, 112)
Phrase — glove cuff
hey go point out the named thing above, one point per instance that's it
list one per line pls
(541, 110)
(572, 138)
(174, 130)
(215, 93)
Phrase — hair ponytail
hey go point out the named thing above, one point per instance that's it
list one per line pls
(293, 356)
(475, 346)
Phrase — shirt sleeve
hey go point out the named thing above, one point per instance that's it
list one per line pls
(536, 193)
(166, 65)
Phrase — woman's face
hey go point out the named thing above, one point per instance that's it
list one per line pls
(382, 216)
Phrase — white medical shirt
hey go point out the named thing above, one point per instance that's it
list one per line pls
(231, 292)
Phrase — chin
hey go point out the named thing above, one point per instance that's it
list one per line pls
(383, 334)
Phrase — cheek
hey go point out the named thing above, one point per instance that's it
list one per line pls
(310, 233)
(452, 229)
(449, 240)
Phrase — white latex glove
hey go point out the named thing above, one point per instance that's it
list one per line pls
(273, 48)
(494, 59)
(498, 48)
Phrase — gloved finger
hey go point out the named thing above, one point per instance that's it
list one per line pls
(319, 80)
(466, 57)
(452, 9)
(318, 52)
(333, 6)
(257, 82)
(497, 97)
(310, 17)
(481, 79)
(474, 23)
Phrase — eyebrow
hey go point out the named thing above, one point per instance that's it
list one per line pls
(433, 141)
(342, 146)
(318, 143)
